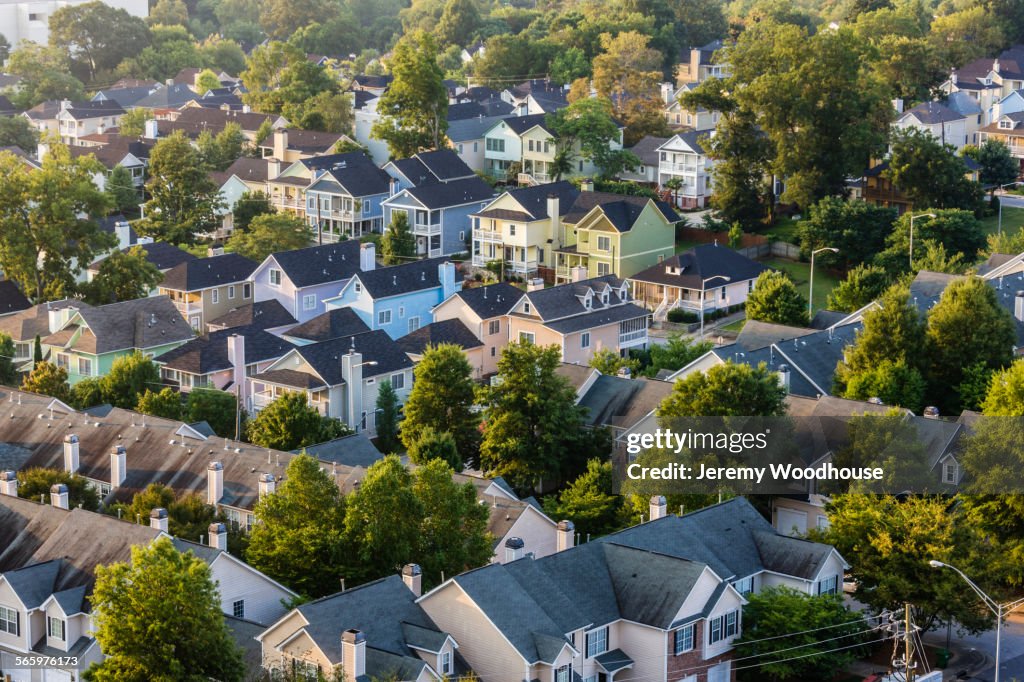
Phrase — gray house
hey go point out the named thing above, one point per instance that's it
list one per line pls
(439, 213)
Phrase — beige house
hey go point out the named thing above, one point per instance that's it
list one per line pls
(77, 119)
(204, 289)
(484, 311)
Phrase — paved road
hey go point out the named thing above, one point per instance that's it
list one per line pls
(1012, 665)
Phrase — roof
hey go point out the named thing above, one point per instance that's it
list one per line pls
(136, 324)
(491, 300)
(329, 325)
(126, 96)
(204, 355)
(205, 273)
(932, 113)
(375, 346)
(169, 96)
(308, 141)
(248, 169)
(161, 254)
(520, 124)
(619, 402)
(356, 181)
(396, 280)
(356, 450)
(564, 300)
(478, 109)
(263, 314)
(87, 109)
(469, 129)
(690, 269)
(114, 152)
(320, 264)
(646, 149)
(455, 193)
(444, 164)
(452, 331)
(622, 211)
(692, 140)
(201, 118)
(11, 298)
(597, 318)
(535, 199)
(343, 160)
(25, 325)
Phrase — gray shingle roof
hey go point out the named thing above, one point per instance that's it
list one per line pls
(491, 300)
(329, 325)
(375, 346)
(471, 190)
(435, 333)
(204, 273)
(616, 401)
(320, 264)
(395, 280)
(356, 181)
(622, 211)
(535, 199)
(699, 263)
(355, 450)
(470, 129)
(646, 149)
(33, 584)
(11, 298)
(597, 318)
(264, 314)
(161, 254)
(86, 110)
(520, 124)
(208, 354)
(445, 164)
(137, 324)
(930, 113)
(564, 300)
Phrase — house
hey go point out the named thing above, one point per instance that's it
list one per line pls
(127, 95)
(132, 155)
(398, 299)
(683, 159)
(677, 116)
(172, 96)
(427, 168)
(287, 184)
(37, 321)
(300, 280)
(451, 332)
(372, 631)
(706, 277)
(467, 137)
(613, 234)
(11, 299)
(31, 20)
(484, 311)
(521, 228)
(619, 403)
(941, 122)
(245, 175)
(439, 213)
(339, 377)
(580, 318)
(646, 149)
(292, 144)
(702, 63)
(161, 254)
(89, 341)
(203, 289)
(195, 120)
(347, 200)
(75, 119)
(334, 323)
(879, 190)
(264, 314)
(43, 117)
(1008, 129)
(988, 80)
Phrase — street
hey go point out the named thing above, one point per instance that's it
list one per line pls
(1012, 648)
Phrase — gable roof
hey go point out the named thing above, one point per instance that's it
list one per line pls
(692, 267)
(97, 109)
(114, 152)
(25, 325)
(308, 141)
(204, 273)
(440, 165)
(473, 128)
(534, 200)
(136, 324)
(356, 181)
(446, 331)
(620, 402)
(478, 109)
(204, 355)
(11, 298)
(646, 149)
(375, 346)
(931, 113)
(491, 300)
(454, 193)
(621, 211)
(320, 264)
(248, 169)
(564, 300)
(355, 450)
(521, 124)
(329, 325)
(264, 314)
(396, 280)
(169, 96)
(161, 254)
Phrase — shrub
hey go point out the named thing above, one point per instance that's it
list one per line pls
(680, 316)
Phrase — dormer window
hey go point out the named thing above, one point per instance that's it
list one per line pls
(604, 298)
(1006, 124)
(526, 308)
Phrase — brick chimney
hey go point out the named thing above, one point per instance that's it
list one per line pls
(214, 483)
(218, 536)
(566, 535)
(353, 654)
(118, 466)
(9, 483)
(158, 519)
(59, 495)
(412, 576)
(71, 453)
(658, 506)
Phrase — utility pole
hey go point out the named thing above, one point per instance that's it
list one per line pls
(908, 641)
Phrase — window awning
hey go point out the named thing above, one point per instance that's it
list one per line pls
(614, 660)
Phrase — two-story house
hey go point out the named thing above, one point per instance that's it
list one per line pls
(683, 157)
(399, 299)
(677, 116)
(483, 310)
(289, 145)
(580, 318)
(347, 200)
(132, 155)
(612, 234)
(87, 344)
(706, 61)
(287, 182)
(426, 168)
(1008, 129)
(300, 280)
(439, 213)
(75, 119)
(204, 289)
(988, 80)
(467, 137)
(268, 314)
(941, 122)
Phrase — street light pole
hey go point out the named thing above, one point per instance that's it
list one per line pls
(1000, 610)
(919, 215)
(702, 296)
(810, 293)
(1009, 184)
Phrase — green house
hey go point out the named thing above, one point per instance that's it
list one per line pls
(87, 344)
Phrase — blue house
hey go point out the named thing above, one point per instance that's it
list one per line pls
(347, 201)
(399, 299)
(438, 213)
(425, 168)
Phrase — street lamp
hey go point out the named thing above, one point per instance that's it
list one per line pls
(703, 295)
(1000, 610)
(919, 215)
(1009, 184)
(810, 294)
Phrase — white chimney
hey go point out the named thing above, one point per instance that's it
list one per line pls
(42, 151)
(953, 78)
(65, 104)
(9, 484)
(566, 532)
(514, 549)
(55, 318)
(784, 377)
(273, 168)
(897, 104)
(59, 495)
(1018, 306)
(124, 234)
(667, 89)
(446, 275)
(554, 215)
(353, 655)
(268, 484)
(214, 483)
(534, 284)
(118, 466)
(579, 273)
(236, 356)
(587, 185)
(352, 373)
(367, 257)
(280, 143)
(158, 519)
(218, 536)
(71, 453)
(412, 576)
(658, 506)
(152, 131)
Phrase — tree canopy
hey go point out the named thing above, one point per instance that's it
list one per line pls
(776, 299)
(442, 399)
(727, 389)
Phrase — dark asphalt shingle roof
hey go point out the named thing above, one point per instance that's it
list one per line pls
(86, 110)
(33, 584)
(445, 164)
(470, 129)
(204, 273)
(446, 331)
(161, 254)
(485, 109)
(395, 280)
(564, 300)
(646, 149)
(375, 346)
(622, 211)
(11, 298)
(930, 113)
(355, 450)
(534, 200)
(597, 318)
(491, 300)
(136, 324)
(208, 354)
(263, 314)
(520, 124)
(695, 265)
(454, 193)
(356, 181)
(329, 325)
(617, 401)
(320, 264)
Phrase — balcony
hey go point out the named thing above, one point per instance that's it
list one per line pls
(667, 167)
(189, 307)
(483, 235)
(1017, 151)
(532, 179)
(635, 338)
(423, 229)
(288, 201)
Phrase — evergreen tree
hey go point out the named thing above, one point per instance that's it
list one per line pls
(398, 245)
(121, 188)
(388, 409)
(588, 501)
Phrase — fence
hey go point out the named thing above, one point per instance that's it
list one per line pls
(752, 245)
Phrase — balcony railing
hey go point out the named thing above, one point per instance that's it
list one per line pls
(288, 202)
(188, 307)
(633, 338)
(1016, 150)
(667, 167)
(488, 235)
(422, 229)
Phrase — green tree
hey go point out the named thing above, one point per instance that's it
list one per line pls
(856, 228)
(96, 37)
(183, 199)
(742, 192)
(607, 361)
(42, 241)
(588, 501)
(1005, 397)
(222, 54)
(48, 379)
(121, 189)
(122, 276)
(165, 403)
(168, 13)
(771, 644)
(327, 110)
(676, 353)
(775, 299)
(398, 244)
(570, 65)
(45, 75)
(388, 414)
(35, 484)
(894, 383)
(172, 50)
(279, 78)
(16, 131)
(250, 205)
(726, 390)
(628, 74)
(219, 409)
(206, 80)
(958, 231)
(968, 34)
(269, 233)
(431, 445)
(453, 534)
(381, 520)
(998, 167)
(8, 375)
(129, 598)
(128, 378)
(288, 423)
(87, 393)
(459, 21)
(935, 258)
(240, 20)
(442, 399)
(340, 34)
(863, 284)
(414, 110)
(929, 172)
(189, 517)
(37, 351)
(133, 122)
(281, 18)
(586, 129)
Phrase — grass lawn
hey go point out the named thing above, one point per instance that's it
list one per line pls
(734, 326)
(800, 274)
(784, 230)
(684, 244)
(1013, 220)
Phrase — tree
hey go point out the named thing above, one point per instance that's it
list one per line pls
(431, 445)
(183, 199)
(775, 299)
(388, 414)
(42, 241)
(628, 74)
(398, 244)
(856, 228)
(442, 398)
(45, 75)
(891, 542)
(96, 37)
(571, 66)
(894, 383)
(87, 393)
(281, 18)
(128, 378)
(969, 34)
(120, 187)
(608, 361)
(340, 34)
(172, 50)
(287, 423)
(37, 351)
(8, 375)
(510, 57)
(936, 259)
(166, 403)
(133, 122)
(929, 172)
(726, 390)
(676, 353)
(240, 20)
(380, 520)
(168, 13)
(588, 501)
(998, 167)
(459, 20)
(207, 80)
(452, 532)
(863, 284)
(586, 129)
(16, 131)
(219, 409)
(250, 205)
(741, 190)
(280, 80)
(1005, 396)
(35, 483)
(129, 598)
(269, 233)
(780, 655)
(222, 54)
(957, 231)
(327, 110)
(221, 150)
(48, 379)
(414, 110)
(122, 276)
(967, 322)
(189, 517)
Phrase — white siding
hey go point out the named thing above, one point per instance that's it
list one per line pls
(237, 581)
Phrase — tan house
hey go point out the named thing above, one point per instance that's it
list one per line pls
(484, 311)
(207, 288)
(704, 62)
(289, 145)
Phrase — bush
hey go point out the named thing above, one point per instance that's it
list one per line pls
(681, 316)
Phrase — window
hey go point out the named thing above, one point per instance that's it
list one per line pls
(683, 640)
(597, 642)
(215, 296)
(238, 608)
(63, 360)
(462, 235)
(828, 585)
(526, 307)
(231, 291)
(398, 381)
(495, 145)
(401, 311)
(750, 285)
(949, 472)
(55, 628)
(745, 586)
(475, 146)
(9, 621)
(246, 290)
(494, 351)
(723, 627)
(526, 337)
(309, 302)
(604, 244)
(305, 670)
(34, 16)
(562, 674)
(511, 230)
(531, 145)
(460, 149)
(85, 366)
(414, 324)
(384, 317)
(603, 269)
(493, 327)
(446, 663)
(585, 340)
(275, 277)
(722, 294)
(732, 623)
(358, 287)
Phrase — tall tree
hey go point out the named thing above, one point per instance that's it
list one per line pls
(269, 233)
(46, 226)
(96, 37)
(281, 18)
(168, 13)
(398, 245)
(628, 74)
(16, 131)
(957, 231)
(863, 284)
(219, 409)
(129, 598)
(172, 50)
(183, 199)
(586, 129)
(47, 378)
(726, 390)
(388, 413)
(222, 54)
(248, 206)
(776, 299)
(164, 403)
(122, 276)
(35, 483)
(998, 167)
(856, 228)
(279, 79)
(929, 172)
(128, 377)
(968, 34)
(459, 21)
(45, 75)
(290, 422)
(414, 110)
(742, 190)
(442, 399)
(120, 187)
